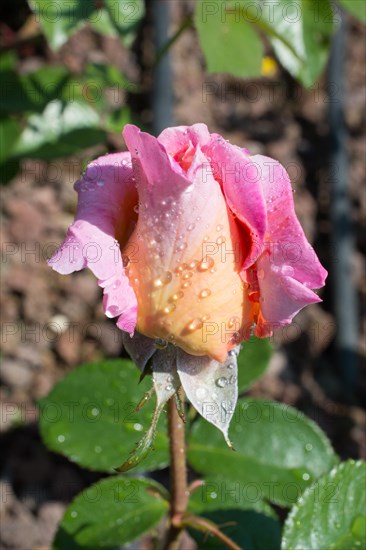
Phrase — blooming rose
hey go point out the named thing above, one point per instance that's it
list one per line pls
(194, 242)
(192, 239)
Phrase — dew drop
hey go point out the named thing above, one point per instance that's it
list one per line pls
(98, 449)
(138, 427)
(61, 438)
(205, 318)
(220, 240)
(201, 393)
(205, 293)
(233, 321)
(193, 264)
(169, 309)
(206, 264)
(308, 447)
(181, 247)
(159, 343)
(213, 495)
(163, 280)
(195, 325)
(219, 227)
(136, 208)
(74, 514)
(168, 387)
(186, 284)
(221, 382)
(306, 476)
(177, 296)
(191, 227)
(187, 275)
(182, 267)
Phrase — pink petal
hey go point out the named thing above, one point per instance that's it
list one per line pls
(242, 189)
(286, 240)
(289, 267)
(106, 197)
(282, 296)
(175, 139)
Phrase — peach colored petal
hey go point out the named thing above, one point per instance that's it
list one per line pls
(186, 269)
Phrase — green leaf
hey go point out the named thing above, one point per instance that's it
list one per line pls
(103, 24)
(356, 7)
(253, 361)
(249, 529)
(61, 130)
(125, 16)
(89, 417)
(8, 61)
(279, 451)
(118, 119)
(215, 495)
(230, 43)
(10, 130)
(110, 513)
(33, 91)
(331, 513)
(59, 19)
(299, 31)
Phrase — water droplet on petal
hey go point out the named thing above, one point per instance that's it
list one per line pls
(206, 264)
(221, 382)
(177, 296)
(219, 227)
(191, 227)
(220, 240)
(205, 293)
(181, 247)
(233, 322)
(136, 208)
(195, 325)
(164, 279)
(187, 275)
(169, 309)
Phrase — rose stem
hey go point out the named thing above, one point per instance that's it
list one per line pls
(178, 474)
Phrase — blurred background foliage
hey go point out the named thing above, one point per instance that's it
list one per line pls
(53, 112)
